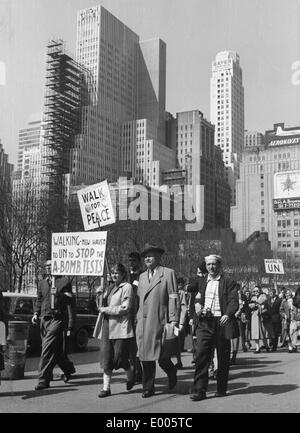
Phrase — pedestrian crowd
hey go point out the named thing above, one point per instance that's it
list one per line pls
(146, 313)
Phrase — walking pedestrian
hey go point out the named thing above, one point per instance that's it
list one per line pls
(289, 313)
(275, 303)
(158, 307)
(135, 271)
(182, 321)
(57, 313)
(215, 308)
(261, 325)
(114, 329)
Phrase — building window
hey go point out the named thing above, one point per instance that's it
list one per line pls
(279, 244)
(296, 244)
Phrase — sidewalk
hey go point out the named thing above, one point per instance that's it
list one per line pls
(268, 382)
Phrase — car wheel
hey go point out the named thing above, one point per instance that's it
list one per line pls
(81, 339)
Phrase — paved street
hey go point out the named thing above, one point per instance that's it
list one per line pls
(267, 382)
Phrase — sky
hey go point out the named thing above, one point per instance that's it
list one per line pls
(265, 34)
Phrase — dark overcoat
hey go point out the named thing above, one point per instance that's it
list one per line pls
(158, 305)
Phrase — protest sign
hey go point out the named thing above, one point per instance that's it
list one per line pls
(78, 253)
(274, 266)
(96, 206)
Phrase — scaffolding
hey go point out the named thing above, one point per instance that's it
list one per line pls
(64, 98)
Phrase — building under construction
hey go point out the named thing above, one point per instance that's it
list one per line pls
(64, 97)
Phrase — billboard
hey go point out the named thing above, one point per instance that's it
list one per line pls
(286, 190)
(282, 137)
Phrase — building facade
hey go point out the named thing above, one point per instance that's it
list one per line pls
(29, 137)
(227, 112)
(202, 163)
(253, 139)
(143, 156)
(268, 194)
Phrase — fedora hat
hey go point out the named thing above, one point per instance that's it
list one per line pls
(151, 247)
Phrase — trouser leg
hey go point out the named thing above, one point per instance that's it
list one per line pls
(204, 346)
(223, 353)
(63, 361)
(51, 345)
(149, 368)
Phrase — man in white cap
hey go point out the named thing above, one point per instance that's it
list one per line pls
(215, 306)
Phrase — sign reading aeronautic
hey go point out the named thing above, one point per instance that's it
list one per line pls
(283, 137)
(96, 206)
(78, 253)
(286, 190)
(273, 266)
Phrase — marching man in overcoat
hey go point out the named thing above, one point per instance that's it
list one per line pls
(158, 306)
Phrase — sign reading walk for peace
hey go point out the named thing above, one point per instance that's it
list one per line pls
(78, 253)
(96, 206)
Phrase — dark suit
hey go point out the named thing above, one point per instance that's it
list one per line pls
(134, 360)
(275, 304)
(209, 333)
(54, 324)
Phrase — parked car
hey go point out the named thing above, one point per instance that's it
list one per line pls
(20, 306)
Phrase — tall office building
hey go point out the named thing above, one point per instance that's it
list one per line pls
(127, 83)
(29, 137)
(227, 112)
(202, 164)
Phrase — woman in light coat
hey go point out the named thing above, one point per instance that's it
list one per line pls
(261, 324)
(114, 328)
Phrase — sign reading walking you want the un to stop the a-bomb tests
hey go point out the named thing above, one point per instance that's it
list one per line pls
(96, 206)
(78, 253)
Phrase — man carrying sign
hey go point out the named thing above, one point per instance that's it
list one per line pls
(55, 306)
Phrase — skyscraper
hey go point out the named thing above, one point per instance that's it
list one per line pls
(29, 137)
(127, 84)
(227, 112)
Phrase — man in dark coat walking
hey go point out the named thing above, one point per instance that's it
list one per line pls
(134, 276)
(215, 305)
(56, 307)
(158, 311)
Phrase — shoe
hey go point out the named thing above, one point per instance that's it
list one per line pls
(245, 349)
(148, 393)
(41, 386)
(179, 366)
(221, 394)
(130, 384)
(257, 351)
(198, 396)
(104, 393)
(274, 349)
(233, 361)
(293, 350)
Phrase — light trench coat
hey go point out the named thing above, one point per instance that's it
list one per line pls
(158, 305)
(119, 311)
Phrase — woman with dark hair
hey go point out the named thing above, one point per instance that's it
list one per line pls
(114, 328)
